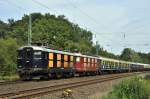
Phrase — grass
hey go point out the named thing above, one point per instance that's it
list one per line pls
(134, 88)
(9, 78)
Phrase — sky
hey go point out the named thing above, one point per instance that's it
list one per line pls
(116, 24)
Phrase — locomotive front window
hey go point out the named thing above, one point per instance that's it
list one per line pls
(37, 55)
(19, 54)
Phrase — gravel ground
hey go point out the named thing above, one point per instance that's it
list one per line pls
(94, 91)
(35, 83)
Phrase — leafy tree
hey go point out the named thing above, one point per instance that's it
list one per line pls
(8, 56)
(130, 55)
(3, 29)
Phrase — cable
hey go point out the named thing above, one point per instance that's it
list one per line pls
(17, 6)
(43, 5)
(84, 13)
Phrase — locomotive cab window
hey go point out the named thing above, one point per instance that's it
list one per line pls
(28, 54)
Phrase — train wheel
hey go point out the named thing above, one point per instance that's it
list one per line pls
(81, 74)
(49, 75)
(58, 75)
(52, 76)
(99, 73)
(72, 74)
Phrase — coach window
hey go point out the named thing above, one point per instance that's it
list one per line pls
(66, 57)
(78, 59)
(95, 60)
(107, 63)
(58, 56)
(128, 65)
(37, 54)
(113, 64)
(124, 65)
(71, 61)
(71, 58)
(116, 64)
(85, 59)
(89, 60)
(103, 62)
(51, 56)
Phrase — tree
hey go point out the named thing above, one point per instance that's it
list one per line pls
(130, 55)
(3, 29)
(8, 56)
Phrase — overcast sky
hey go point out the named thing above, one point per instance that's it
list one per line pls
(116, 23)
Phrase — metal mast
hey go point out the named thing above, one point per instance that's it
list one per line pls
(97, 47)
(30, 30)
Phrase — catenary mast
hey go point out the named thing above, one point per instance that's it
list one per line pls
(30, 30)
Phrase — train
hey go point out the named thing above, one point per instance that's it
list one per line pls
(42, 62)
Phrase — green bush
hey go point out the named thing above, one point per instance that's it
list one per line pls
(8, 56)
(135, 88)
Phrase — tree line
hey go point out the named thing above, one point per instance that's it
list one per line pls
(59, 33)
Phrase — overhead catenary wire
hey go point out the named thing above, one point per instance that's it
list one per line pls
(132, 22)
(83, 12)
(16, 5)
(45, 6)
(86, 15)
(91, 18)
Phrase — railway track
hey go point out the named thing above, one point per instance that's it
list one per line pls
(34, 92)
(3, 83)
(10, 82)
